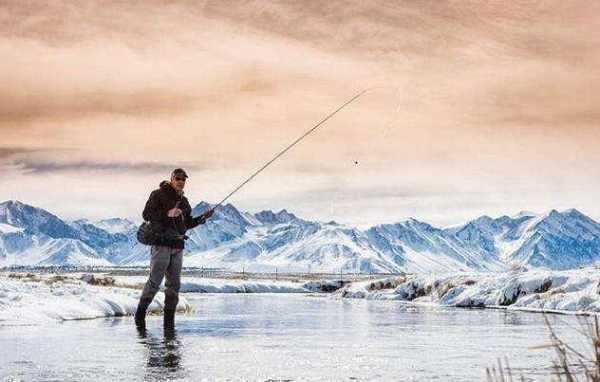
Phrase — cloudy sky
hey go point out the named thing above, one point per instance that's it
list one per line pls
(474, 107)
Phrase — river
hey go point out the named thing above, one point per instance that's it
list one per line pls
(287, 337)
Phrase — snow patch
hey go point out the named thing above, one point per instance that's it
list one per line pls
(575, 291)
(28, 300)
(213, 285)
(7, 228)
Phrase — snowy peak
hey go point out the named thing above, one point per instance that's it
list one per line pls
(484, 221)
(34, 220)
(31, 235)
(570, 223)
(268, 217)
(415, 225)
(559, 240)
(202, 207)
(575, 213)
(226, 212)
(116, 225)
(490, 226)
(226, 225)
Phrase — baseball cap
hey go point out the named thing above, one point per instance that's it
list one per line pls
(179, 172)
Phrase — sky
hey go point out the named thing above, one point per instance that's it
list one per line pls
(473, 107)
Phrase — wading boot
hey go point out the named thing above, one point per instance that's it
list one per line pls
(169, 319)
(140, 314)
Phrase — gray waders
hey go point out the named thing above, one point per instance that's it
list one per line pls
(165, 263)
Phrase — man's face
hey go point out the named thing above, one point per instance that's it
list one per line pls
(178, 182)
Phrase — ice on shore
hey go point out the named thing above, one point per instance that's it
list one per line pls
(38, 298)
(574, 291)
(227, 285)
(32, 301)
(26, 298)
(240, 286)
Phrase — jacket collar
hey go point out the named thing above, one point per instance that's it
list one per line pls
(166, 186)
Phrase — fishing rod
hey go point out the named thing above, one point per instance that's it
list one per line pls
(289, 147)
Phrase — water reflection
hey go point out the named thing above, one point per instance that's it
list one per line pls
(164, 360)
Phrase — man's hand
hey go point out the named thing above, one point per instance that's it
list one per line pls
(208, 214)
(174, 212)
(201, 219)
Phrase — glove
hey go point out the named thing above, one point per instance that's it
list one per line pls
(202, 218)
(208, 214)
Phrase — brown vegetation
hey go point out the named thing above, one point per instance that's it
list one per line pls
(569, 364)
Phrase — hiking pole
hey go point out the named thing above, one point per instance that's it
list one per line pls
(289, 147)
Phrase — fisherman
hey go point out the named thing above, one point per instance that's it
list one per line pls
(167, 207)
(170, 214)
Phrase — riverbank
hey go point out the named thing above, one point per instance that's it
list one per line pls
(32, 298)
(571, 292)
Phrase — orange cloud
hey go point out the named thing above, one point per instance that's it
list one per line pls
(461, 90)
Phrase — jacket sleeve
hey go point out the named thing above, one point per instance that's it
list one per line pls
(154, 211)
(192, 222)
(189, 221)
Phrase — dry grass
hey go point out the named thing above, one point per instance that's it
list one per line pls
(569, 364)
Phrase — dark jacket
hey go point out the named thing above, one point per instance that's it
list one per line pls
(158, 205)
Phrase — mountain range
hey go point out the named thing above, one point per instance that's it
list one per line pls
(268, 240)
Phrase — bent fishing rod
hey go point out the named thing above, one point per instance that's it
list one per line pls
(286, 149)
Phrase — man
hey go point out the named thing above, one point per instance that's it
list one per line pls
(170, 214)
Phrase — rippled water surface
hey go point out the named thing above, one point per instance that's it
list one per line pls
(286, 337)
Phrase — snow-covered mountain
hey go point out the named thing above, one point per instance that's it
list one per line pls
(35, 220)
(557, 241)
(268, 240)
(420, 247)
(34, 236)
(116, 225)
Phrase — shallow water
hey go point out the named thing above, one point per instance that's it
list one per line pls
(287, 337)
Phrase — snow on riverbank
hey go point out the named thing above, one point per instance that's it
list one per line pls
(240, 286)
(28, 300)
(222, 285)
(575, 291)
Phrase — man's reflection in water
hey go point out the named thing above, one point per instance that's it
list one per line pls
(164, 355)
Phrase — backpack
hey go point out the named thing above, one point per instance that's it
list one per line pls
(147, 235)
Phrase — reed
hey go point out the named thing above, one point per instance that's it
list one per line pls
(568, 364)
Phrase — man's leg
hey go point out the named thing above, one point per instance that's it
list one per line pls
(159, 262)
(172, 285)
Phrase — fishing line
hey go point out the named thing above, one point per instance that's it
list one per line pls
(290, 146)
